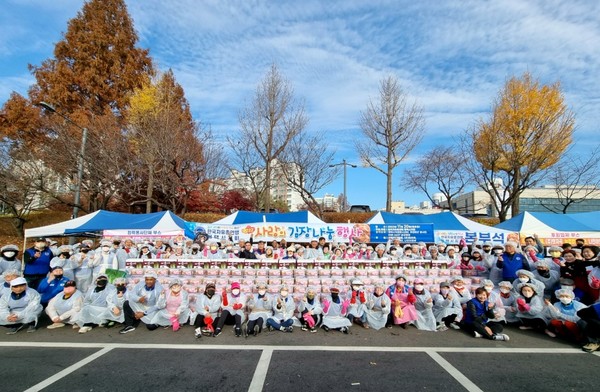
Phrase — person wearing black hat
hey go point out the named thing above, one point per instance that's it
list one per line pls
(52, 285)
(37, 263)
(65, 307)
(205, 310)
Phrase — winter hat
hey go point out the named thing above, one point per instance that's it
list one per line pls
(419, 281)
(235, 285)
(17, 282)
(445, 284)
(529, 274)
(568, 292)
(10, 247)
(465, 254)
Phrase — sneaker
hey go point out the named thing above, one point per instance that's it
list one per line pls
(256, 330)
(344, 330)
(110, 324)
(389, 326)
(501, 336)
(326, 328)
(151, 327)
(217, 332)
(476, 334)
(454, 326)
(238, 332)
(550, 333)
(14, 330)
(31, 329)
(442, 328)
(75, 326)
(591, 347)
(289, 329)
(304, 328)
(313, 330)
(525, 327)
(127, 329)
(198, 333)
(271, 329)
(85, 329)
(55, 325)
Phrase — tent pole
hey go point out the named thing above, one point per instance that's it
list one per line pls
(23, 256)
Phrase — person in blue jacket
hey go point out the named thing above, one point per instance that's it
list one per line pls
(477, 315)
(511, 261)
(37, 263)
(52, 285)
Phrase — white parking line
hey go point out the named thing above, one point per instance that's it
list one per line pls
(458, 376)
(260, 374)
(496, 350)
(67, 371)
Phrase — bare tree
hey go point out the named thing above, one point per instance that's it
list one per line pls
(268, 124)
(393, 127)
(575, 178)
(306, 167)
(441, 170)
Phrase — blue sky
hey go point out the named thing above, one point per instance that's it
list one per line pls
(452, 57)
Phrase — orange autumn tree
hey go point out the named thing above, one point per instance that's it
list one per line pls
(529, 129)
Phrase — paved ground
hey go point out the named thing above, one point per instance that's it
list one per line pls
(365, 360)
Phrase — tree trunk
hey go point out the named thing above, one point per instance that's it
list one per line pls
(388, 200)
(150, 187)
(515, 194)
(267, 188)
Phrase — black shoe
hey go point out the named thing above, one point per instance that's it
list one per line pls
(14, 330)
(389, 326)
(326, 328)
(404, 325)
(127, 329)
(256, 330)
(217, 332)
(198, 333)
(313, 330)
(289, 329)
(271, 329)
(151, 327)
(304, 328)
(344, 330)
(31, 329)
(238, 332)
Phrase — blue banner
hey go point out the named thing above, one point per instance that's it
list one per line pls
(406, 232)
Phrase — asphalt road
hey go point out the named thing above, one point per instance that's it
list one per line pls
(364, 360)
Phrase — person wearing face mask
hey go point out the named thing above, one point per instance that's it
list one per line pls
(358, 300)
(435, 255)
(334, 312)
(100, 306)
(260, 306)
(21, 308)
(173, 307)
(104, 260)
(549, 278)
(460, 292)
(283, 311)
(524, 276)
(232, 310)
(494, 298)
(564, 321)
(424, 306)
(65, 307)
(52, 285)
(63, 258)
(82, 263)
(378, 307)
(205, 310)
(509, 302)
(555, 258)
(9, 258)
(37, 263)
(7, 277)
(140, 305)
(530, 307)
(477, 318)
(446, 308)
(310, 310)
(403, 303)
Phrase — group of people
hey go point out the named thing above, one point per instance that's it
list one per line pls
(555, 294)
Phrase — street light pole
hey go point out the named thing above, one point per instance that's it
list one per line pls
(345, 164)
(80, 157)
